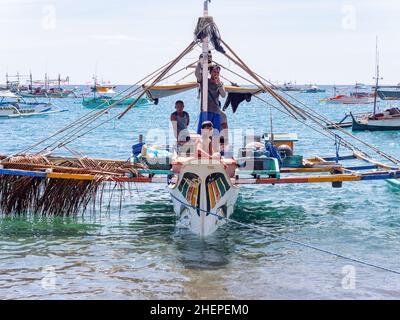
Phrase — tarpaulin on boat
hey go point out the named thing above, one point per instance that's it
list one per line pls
(161, 91)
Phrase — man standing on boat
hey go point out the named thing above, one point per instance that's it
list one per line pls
(215, 90)
(180, 122)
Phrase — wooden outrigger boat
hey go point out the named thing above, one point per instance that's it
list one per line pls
(377, 121)
(203, 190)
(102, 98)
(49, 88)
(14, 106)
(102, 87)
(103, 101)
(385, 120)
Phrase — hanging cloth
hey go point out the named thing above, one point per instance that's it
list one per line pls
(235, 98)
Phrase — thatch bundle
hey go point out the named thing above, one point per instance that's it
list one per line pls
(48, 195)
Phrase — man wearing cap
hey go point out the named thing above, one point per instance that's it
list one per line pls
(215, 90)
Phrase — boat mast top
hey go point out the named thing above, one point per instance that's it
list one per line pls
(205, 48)
(376, 75)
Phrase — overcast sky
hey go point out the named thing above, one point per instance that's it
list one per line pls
(326, 42)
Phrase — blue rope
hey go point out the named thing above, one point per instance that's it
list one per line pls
(338, 140)
(256, 228)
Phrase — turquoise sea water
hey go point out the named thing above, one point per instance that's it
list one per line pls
(139, 253)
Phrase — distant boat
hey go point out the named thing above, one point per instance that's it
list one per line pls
(347, 99)
(104, 101)
(389, 92)
(313, 89)
(359, 95)
(49, 88)
(289, 86)
(386, 120)
(102, 87)
(13, 106)
(50, 93)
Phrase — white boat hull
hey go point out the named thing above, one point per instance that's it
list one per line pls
(202, 195)
(388, 120)
(350, 101)
(21, 110)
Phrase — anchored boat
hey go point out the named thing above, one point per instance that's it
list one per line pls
(359, 95)
(389, 92)
(313, 89)
(103, 101)
(377, 121)
(49, 88)
(14, 106)
(102, 98)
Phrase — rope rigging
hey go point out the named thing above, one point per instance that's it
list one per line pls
(206, 27)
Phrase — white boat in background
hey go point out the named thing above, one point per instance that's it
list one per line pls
(14, 106)
(359, 95)
(348, 99)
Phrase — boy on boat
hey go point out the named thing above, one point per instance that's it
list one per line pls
(180, 122)
(204, 146)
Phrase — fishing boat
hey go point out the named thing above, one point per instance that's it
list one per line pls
(203, 186)
(289, 86)
(359, 95)
(348, 99)
(49, 88)
(389, 92)
(100, 100)
(14, 106)
(313, 89)
(104, 101)
(102, 87)
(39, 92)
(381, 121)
(388, 119)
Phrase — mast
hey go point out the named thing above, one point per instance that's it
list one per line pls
(376, 74)
(205, 47)
(94, 86)
(31, 81)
